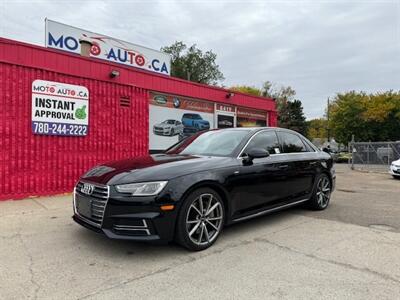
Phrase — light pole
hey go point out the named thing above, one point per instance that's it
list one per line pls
(328, 129)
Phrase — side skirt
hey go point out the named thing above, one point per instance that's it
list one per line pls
(267, 211)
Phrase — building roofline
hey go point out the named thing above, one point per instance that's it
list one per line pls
(14, 58)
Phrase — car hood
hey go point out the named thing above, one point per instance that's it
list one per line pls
(396, 162)
(153, 168)
(163, 125)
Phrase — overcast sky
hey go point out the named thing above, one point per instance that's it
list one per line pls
(317, 47)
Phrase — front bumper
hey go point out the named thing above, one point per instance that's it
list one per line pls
(395, 171)
(204, 126)
(110, 233)
(138, 220)
(162, 131)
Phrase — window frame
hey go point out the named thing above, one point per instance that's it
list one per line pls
(239, 156)
(311, 145)
(262, 132)
(306, 146)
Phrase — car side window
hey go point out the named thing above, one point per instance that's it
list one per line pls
(309, 146)
(291, 143)
(266, 140)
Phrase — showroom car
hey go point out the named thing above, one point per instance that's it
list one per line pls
(195, 121)
(168, 128)
(203, 183)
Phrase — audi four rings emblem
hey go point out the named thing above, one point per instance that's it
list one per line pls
(87, 188)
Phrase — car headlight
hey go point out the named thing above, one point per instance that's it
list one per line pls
(142, 189)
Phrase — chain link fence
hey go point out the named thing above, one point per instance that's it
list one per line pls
(373, 156)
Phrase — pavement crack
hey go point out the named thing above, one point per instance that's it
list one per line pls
(125, 282)
(330, 261)
(190, 259)
(40, 204)
(16, 235)
(30, 267)
(339, 241)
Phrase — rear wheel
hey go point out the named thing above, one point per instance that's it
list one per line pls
(322, 193)
(200, 220)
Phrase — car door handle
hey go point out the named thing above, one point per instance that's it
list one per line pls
(283, 166)
(313, 163)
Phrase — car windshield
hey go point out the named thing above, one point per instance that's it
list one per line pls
(195, 117)
(169, 122)
(212, 143)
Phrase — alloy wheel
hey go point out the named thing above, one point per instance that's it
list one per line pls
(323, 191)
(204, 219)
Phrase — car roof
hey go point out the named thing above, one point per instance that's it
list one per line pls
(255, 129)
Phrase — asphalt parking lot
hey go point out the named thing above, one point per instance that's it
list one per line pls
(349, 251)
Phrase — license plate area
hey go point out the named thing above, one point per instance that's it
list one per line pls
(84, 206)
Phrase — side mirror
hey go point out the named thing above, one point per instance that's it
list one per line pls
(255, 153)
(326, 150)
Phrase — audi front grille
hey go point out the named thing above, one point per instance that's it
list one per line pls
(98, 202)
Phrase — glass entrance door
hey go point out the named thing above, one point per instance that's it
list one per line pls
(225, 121)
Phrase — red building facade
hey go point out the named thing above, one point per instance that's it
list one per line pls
(33, 164)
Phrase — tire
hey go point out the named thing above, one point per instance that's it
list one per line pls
(322, 193)
(197, 229)
(396, 177)
(172, 132)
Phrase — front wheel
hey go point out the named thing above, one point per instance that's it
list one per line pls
(200, 220)
(396, 177)
(322, 193)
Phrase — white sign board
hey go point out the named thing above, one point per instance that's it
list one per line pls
(59, 108)
(64, 37)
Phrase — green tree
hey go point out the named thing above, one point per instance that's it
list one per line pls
(291, 116)
(317, 128)
(251, 90)
(282, 95)
(369, 117)
(290, 110)
(193, 64)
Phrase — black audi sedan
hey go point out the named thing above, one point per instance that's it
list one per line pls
(202, 183)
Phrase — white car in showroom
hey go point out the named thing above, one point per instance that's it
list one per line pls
(395, 169)
(168, 128)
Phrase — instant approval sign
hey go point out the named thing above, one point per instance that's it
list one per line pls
(59, 108)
